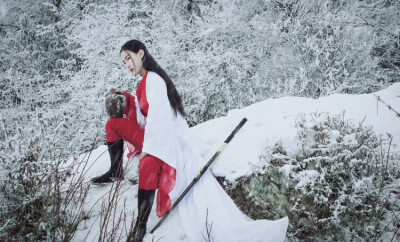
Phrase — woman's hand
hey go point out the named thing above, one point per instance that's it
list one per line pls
(115, 90)
(142, 155)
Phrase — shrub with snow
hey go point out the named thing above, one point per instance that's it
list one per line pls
(40, 199)
(342, 183)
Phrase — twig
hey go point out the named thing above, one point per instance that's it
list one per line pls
(112, 223)
(158, 239)
(5, 225)
(382, 182)
(390, 107)
(383, 230)
(3, 122)
(398, 227)
(347, 231)
(208, 229)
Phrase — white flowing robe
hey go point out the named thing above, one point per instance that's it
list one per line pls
(167, 137)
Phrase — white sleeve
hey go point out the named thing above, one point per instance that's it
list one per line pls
(159, 135)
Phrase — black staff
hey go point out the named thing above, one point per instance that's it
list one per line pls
(200, 173)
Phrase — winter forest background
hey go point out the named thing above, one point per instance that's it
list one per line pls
(59, 58)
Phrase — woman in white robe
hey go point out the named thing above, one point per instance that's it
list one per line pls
(159, 112)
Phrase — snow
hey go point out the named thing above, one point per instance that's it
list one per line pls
(274, 119)
(268, 122)
(307, 178)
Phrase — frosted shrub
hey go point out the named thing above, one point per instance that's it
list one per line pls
(341, 184)
(348, 177)
(39, 201)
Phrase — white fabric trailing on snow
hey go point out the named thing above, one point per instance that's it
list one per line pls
(167, 137)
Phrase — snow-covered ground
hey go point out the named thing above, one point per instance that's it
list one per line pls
(268, 122)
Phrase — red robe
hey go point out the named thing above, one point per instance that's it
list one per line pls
(166, 173)
(152, 170)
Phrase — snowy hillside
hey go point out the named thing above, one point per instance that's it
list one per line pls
(268, 121)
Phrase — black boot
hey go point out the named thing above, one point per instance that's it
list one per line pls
(145, 202)
(116, 150)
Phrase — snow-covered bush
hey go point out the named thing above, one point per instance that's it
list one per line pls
(41, 198)
(348, 175)
(341, 184)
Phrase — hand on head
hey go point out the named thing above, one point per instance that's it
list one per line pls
(115, 90)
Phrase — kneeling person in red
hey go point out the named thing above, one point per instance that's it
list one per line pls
(123, 125)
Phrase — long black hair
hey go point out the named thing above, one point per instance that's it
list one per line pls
(151, 65)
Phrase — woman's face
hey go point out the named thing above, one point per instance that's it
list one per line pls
(133, 61)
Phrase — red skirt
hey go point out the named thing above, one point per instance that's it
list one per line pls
(152, 170)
